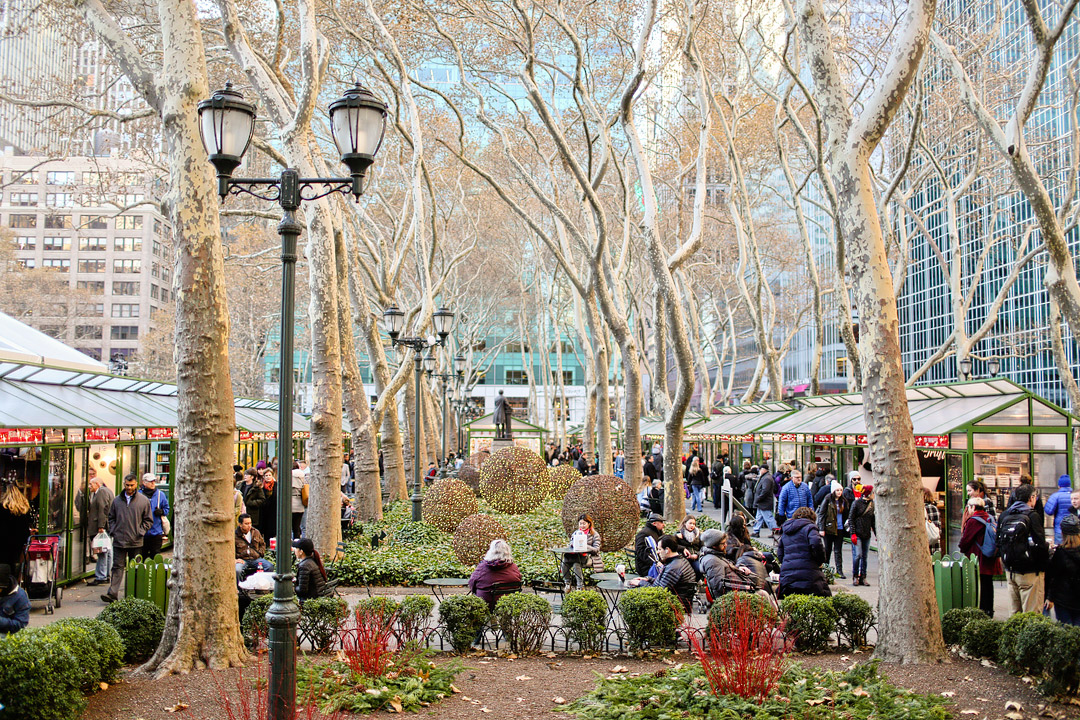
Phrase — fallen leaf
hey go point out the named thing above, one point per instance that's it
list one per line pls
(819, 701)
(558, 700)
(523, 677)
(177, 707)
(484, 662)
(521, 699)
(969, 712)
(484, 709)
(395, 704)
(454, 689)
(844, 658)
(983, 699)
(466, 698)
(859, 692)
(373, 691)
(667, 661)
(947, 693)
(103, 685)
(968, 678)
(620, 669)
(551, 655)
(586, 657)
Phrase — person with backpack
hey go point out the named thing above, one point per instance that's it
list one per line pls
(979, 537)
(1023, 550)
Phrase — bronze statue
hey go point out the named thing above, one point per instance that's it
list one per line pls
(503, 418)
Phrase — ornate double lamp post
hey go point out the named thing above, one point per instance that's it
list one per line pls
(394, 323)
(226, 124)
(457, 376)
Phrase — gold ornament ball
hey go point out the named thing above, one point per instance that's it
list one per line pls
(470, 475)
(560, 479)
(513, 480)
(473, 537)
(610, 503)
(446, 503)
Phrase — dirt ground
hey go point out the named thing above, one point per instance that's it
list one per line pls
(517, 688)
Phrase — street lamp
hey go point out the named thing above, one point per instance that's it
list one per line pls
(226, 124)
(394, 323)
(457, 376)
(994, 366)
(965, 368)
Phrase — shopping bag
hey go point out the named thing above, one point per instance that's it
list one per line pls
(101, 543)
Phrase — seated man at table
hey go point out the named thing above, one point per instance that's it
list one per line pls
(652, 529)
(678, 575)
(250, 548)
(497, 567)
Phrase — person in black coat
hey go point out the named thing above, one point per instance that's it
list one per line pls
(1063, 574)
(677, 576)
(653, 528)
(801, 552)
(764, 502)
(251, 488)
(716, 478)
(648, 469)
(310, 573)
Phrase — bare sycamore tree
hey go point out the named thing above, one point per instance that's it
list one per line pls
(910, 630)
(201, 628)
(1009, 137)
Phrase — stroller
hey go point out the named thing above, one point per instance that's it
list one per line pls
(41, 570)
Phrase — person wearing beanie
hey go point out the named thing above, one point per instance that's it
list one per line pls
(830, 520)
(14, 603)
(720, 573)
(1063, 574)
(1059, 505)
(310, 574)
(863, 524)
(645, 543)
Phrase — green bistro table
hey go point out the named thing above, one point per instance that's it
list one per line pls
(439, 586)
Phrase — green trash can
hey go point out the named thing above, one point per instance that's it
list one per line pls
(148, 580)
(956, 581)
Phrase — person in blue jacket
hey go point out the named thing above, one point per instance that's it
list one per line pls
(793, 496)
(14, 604)
(1059, 505)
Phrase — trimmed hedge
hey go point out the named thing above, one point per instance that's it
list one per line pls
(320, 619)
(726, 605)
(811, 620)
(96, 646)
(524, 620)
(414, 618)
(652, 616)
(140, 624)
(855, 617)
(583, 615)
(253, 625)
(463, 616)
(1010, 633)
(954, 621)
(980, 637)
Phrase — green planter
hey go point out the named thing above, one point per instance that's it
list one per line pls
(956, 581)
(148, 580)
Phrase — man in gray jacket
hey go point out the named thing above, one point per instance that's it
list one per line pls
(129, 519)
(101, 500)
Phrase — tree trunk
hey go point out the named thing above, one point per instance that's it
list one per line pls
(201, 626)
(600, 374)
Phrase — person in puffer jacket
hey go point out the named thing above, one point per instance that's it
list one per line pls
(720, 573)
(677, 576)
(801, 552)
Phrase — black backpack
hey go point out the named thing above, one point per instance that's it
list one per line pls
(1018, 550)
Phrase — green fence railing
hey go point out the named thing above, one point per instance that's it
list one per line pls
(956, 581)
(148, 580)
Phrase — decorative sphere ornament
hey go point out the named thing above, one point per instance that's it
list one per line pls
(478, 458)
(473, 537)
(470, 475)
(560, 479)
(610, 503)
(447, 503)
(513, 480)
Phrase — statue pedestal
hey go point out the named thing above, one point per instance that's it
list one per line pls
(499, 443)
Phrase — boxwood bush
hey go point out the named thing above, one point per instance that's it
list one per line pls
(811, 620)
(524, 620)
(414, 618)
(980, 638)
(1061, 661)
(652, 616)
(253, 625)
(463, 616)
(855, 617)
(584, 613)
(140, 624)
(320, 619)
(954, 621)
(1010, 632)
(39, 677)
(96, 645)
(723, 607)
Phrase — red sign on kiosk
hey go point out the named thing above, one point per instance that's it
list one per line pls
(21, 436)
(102, 434)
(159, 433)
(823, 439)
(936, 442)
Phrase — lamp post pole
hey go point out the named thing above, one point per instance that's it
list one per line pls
(458, 375)
(226, 124)
(416, 498)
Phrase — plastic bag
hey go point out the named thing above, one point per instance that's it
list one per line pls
(101, 542)
(579, 542)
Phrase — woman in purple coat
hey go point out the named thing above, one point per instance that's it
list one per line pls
(497, 567)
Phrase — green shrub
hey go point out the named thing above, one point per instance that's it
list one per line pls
(652, 616)
(96, 645)
(253, 625)
(855, 617)
(954, 621)
(414, 618)
(39, 677)
(524, 620)
(140, 624)
(584, 615)
(1031, 646)
(463, 616)
(1010, 633)
(320, 619)
(725, 606)
(980, 638)
(1062, 662)
(812, 620)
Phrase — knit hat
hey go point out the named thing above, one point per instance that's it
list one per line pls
(866, 489)
(711, 537)
(1070, 525)
(835, 486)
(1064, 482)
(655, 517)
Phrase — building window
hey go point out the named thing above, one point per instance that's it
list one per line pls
(164, 295)
(58, 222)
(56, 263)
(54, 244)
(157, 245)
(131, 244)
(516, 377)
(17, 220)
(125, 310)
(93, 244)
(91, 266)
(129, 222)
(127, 266)
(124, 332)
(155, 271)
(92, 352)
(92, 177)
(54, 331)
(24, 199)
(87, 332)
(61, 177)
(24, 177)
(154, 295)
(125, 288)
(568, 377)
(95, 222)
(26, 242)
(841, 367)
(133, 199)
(91, 309)
(61, 200)
(26, 263)
(94, 287)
